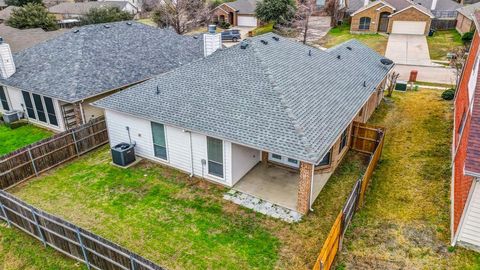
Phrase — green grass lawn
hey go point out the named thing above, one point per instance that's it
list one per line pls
(184, 223)
(443, 42)
(405, 221)
(13, 139)
(342, 33)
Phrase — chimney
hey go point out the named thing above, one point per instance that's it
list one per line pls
(7, 67)
(211, 41)
(366, 2)
(434, 4)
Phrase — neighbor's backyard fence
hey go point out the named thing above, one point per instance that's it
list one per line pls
(44, 155)
(69, 239)
(366, 139)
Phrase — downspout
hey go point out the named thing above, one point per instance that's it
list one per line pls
(82, 112)
(311, 187)
(191, 151)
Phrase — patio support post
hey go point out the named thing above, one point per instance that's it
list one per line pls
(264, 158)
(304, 187)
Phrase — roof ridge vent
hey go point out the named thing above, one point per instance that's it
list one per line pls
(275, 38)
(339, 57)
(264, 41)
(243, 44)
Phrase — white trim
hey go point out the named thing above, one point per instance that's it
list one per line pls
(411, 6)
(465, 208)
(224, 178)
(373, 4)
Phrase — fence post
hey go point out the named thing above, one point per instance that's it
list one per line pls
(4, 213)
(75, 142)
(79, 236)
(132, 262)
(38, 226)
(33, 162)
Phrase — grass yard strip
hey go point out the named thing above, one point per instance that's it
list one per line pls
(267, 28)
(21, 251)
(13, 139)
(184, 223)
(342, 33)
(405, 221)
(443, 42)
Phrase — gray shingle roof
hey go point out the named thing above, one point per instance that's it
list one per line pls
(96, 59)
(82, 8)
(244, 6)
(469, 10)
(425, 5)
(273, 97)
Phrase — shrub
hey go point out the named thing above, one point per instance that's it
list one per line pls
(448, 94)
(32, 16)
(467, 37)
(224, 25)
(105, 15)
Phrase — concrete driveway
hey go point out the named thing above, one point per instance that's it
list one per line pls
(408, 50)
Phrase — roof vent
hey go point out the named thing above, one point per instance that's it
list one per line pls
(243, 44)
(106, 26)
(364, 83)
(309, 52)
(264, 42)
(158, 90)
(276, 38)
(76, 31)
(339, 57)
(195, 37)
(386, 61)
(129, 23)
(349, 48)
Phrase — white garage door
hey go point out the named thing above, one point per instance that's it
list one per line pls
(406, 27)
(247, 21)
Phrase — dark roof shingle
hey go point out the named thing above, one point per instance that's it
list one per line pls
(283, 97)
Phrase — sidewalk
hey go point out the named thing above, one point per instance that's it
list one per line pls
(427, 74)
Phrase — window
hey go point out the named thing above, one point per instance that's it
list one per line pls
(3, 99)
(364, 23)
(343, 140)
(293, 161)
(159, 142)
(462, 122)
(39, 108)
(326, 159)
(215, 156)
(275, 156)
(52, 117)
(29, 105)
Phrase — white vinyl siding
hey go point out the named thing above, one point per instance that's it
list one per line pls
(472, 81)
(178, 145)
(470, 228)
(246, 20)
(409, 27)
(243, 160)
(284, 160)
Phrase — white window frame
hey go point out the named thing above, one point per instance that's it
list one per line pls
(283, 160)
(44, 107)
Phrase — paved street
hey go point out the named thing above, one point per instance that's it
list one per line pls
(427, 74)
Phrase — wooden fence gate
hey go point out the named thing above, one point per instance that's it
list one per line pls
(365, 139)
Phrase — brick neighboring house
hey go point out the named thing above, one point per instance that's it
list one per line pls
(399, 16)
(465, 16)
(237, 13)
(465, 185)
(277, 133)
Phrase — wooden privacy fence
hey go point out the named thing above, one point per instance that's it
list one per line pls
(42, 156)
(365, 139)
(75, 242)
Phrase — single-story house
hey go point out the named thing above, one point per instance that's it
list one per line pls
(270, 116)
(74, 11)
(465, 184)
(399, 16)
(237, 13)
(465, 18)
(55, 81)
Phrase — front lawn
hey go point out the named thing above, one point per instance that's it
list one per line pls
(184, 223)
(342, 33)
(13, 139)
(443, 42)
(405, 221)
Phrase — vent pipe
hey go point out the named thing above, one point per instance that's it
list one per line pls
(211, 41)
(7, 66)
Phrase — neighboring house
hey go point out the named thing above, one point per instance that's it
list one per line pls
(465, 186)
(237, 13)
(465, 18)
(56, 80)
(3, 5)
(6, 13)
(400, 16)
(20, 39)
(70, 12)
(267, 100)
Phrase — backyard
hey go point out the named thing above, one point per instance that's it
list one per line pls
(12, 139)
(443, 42)
(405, 221)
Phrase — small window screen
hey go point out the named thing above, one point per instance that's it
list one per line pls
(29, 105)
(3, 99)
(39, 108)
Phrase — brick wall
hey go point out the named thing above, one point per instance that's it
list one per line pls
(304, 187)
(462, 183)
(374, 16)
(464, 24)
(411, 14)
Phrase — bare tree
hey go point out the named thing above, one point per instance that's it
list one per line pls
(391, 81)
(305, 9)
(332, 8)
(181, 15)
(457, 61)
